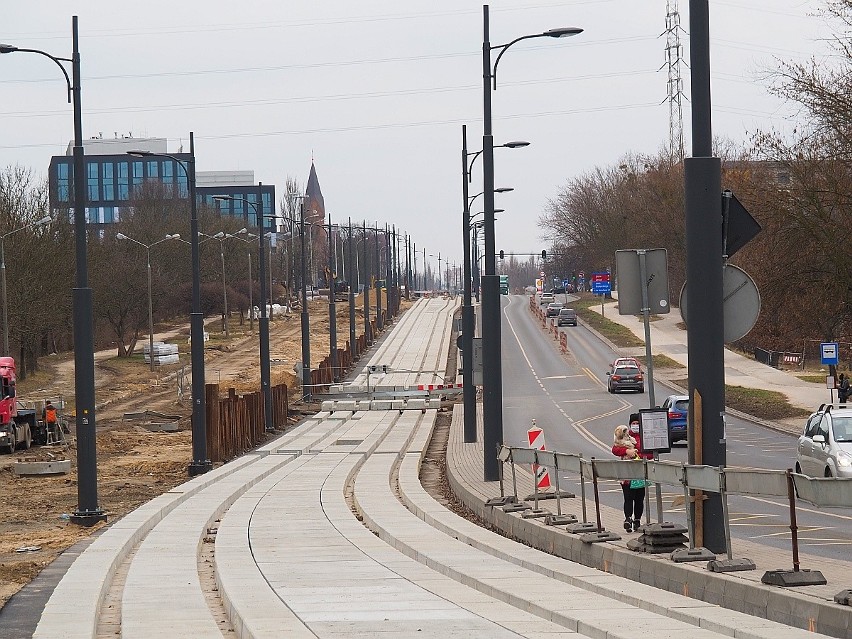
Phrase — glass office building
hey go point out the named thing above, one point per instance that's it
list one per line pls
(112, 178)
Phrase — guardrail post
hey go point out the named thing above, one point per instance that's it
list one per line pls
(583, 490)
(595, 489)
(794, 529)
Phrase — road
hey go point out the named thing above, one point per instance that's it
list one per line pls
(567, 397)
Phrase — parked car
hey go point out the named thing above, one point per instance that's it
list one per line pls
(626, 377)
(825, 446)
(546, 298)
(567, 317)
(677, 407)
(557, 290)
(553, 309)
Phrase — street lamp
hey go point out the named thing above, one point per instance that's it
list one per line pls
(3, 237)
(263, 320)
(439, 267)
(147, 247)
(248, 236)
(200, 463)
(88, 512)
(491, 347)
(220, 236)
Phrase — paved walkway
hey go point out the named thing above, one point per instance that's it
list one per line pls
(327, 532)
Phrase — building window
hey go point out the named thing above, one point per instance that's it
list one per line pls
(267, 203)
(137, 173)
(93, 181)
(252, 210)
(63, 181)
(108, 181)
(224, 206)
(183, 191)
(168, 172)
(91, 214)
(123, 181)
(153, 169)
(109, 214)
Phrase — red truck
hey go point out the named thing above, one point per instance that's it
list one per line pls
(19, 427)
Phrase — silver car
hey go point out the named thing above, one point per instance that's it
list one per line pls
(825, 446)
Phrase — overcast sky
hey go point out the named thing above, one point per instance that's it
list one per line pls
(376, 92)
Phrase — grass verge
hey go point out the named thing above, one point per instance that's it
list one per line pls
(763, 404)
(614, 332)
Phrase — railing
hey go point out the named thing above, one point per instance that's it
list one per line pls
(821, 492)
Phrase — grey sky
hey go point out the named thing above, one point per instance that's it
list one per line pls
(376, 92)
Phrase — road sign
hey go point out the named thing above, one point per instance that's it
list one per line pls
(740, 303)
(601, 284)
(830, 353)
(565, 283)
(582, 275)
(630, 284)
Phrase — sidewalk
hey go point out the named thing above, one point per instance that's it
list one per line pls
(668, 339)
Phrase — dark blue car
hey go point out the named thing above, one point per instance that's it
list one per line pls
(678, 409)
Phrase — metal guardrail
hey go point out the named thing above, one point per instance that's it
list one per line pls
(692, 479)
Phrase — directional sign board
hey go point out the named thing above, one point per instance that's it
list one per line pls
(601, 284)
(565, 283)
(830, 353)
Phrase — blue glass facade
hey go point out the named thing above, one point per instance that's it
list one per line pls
(112, 179)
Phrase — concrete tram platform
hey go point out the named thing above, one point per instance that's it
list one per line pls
(327, 531)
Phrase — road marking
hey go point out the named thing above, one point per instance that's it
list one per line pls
(824, 513)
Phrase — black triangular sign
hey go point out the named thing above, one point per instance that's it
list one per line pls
(741, 227)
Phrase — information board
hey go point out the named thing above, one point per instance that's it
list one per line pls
(601, 284)
(654, 430)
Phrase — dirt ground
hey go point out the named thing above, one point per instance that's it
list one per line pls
(134, 464)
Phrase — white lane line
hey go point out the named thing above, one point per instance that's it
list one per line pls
(824, 513)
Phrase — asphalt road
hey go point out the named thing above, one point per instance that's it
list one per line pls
(567, 397)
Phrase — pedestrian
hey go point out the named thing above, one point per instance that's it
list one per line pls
(843, 389)
(627, 444)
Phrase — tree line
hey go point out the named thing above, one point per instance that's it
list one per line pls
(798, 185)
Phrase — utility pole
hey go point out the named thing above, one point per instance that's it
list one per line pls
(332, 308)
(367, 328)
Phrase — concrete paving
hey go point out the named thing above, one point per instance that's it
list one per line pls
(326, 531)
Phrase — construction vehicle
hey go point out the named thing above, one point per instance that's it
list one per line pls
(16, 427)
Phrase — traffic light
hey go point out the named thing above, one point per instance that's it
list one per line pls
(544, 255)
(502, 255)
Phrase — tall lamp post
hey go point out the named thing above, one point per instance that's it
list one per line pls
(88, 512)
(3, 237)
(263, 320)
(147, 247)
(491, 330)
(704, 263)
(200, 463)
(468, 319)
(220, 236)
(247, 240)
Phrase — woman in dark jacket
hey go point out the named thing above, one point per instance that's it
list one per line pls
(628, 445)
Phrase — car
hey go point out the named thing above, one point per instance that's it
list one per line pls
(557, 290)
(546, 298)
(553, 309)
(625, 377)
(677, 407)
(569, 288)
(567, 317)
(625, 361)
(825, 447)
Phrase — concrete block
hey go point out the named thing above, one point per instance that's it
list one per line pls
(56, 467)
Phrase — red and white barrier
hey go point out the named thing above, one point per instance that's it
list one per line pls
(431, 387)
(535, 436)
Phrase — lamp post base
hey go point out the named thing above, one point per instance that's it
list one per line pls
(88, 519)
(200, 467)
